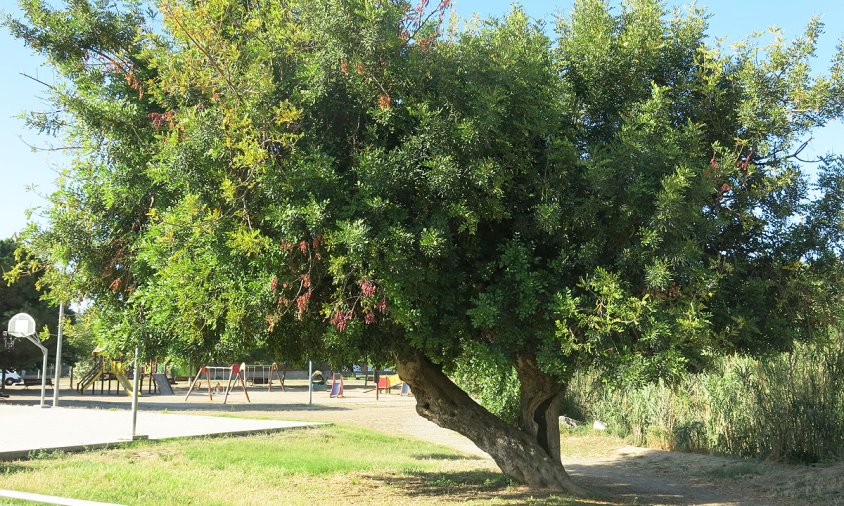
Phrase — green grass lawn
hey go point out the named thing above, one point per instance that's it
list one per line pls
(336, 464)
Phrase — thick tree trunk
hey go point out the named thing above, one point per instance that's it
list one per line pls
(540, 397)
(522, 455)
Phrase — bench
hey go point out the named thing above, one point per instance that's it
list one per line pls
(30, 382)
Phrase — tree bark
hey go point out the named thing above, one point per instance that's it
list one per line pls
(540, 397)
(522, 455)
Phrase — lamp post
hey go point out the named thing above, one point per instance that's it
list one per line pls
(135, 386)
(58, 358)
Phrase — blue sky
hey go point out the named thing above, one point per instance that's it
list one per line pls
(21, 168)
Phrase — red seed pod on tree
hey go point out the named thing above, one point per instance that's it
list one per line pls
(369, 318)
(367, 288)
(382, 306)
(302, 304)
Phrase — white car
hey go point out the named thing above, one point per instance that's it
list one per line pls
(12, 378)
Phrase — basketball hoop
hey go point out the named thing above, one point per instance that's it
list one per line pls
(21, 325)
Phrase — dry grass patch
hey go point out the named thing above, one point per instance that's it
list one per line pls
(589, 444)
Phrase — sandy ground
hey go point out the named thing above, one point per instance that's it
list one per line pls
(605, 465)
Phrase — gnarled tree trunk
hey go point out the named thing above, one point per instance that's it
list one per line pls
(529, 454)
(540, 397)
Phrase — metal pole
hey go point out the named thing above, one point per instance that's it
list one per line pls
(44, 377)
(135, 377)
(58, 358)
(310, 383)
(34, 340)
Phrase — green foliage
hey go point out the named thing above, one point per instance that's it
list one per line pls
(491, 380)
(787, 407)
(344, 179)
(23, 296)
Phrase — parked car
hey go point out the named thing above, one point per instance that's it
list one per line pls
(12, 378)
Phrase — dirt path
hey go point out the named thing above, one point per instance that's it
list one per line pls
(618, 473)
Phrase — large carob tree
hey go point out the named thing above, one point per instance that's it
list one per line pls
(379, 181)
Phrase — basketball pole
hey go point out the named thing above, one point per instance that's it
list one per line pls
(23, 325)
(37, 342)
(43, 371)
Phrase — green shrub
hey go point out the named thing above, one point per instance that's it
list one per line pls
(788, 407)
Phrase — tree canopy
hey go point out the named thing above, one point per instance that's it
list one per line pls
(379, 180)
(23, 296)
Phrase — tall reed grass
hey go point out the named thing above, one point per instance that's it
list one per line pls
(787, 408)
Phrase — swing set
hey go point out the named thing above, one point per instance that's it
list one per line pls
(237, 373)
(256, 374)
(263, 375)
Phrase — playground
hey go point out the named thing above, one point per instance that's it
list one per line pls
(103, 419)
(255, 395)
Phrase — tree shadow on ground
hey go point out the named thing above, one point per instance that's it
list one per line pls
(616, 483)
(476, 485)
(631, 481)
(446, 456)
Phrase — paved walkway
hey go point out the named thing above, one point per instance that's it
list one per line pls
(30, 428)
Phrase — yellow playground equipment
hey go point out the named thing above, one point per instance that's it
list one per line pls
(105, 369)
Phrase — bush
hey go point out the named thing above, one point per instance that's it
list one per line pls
(788, 407)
